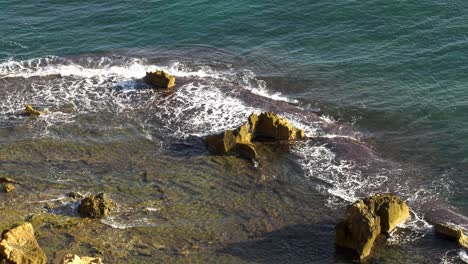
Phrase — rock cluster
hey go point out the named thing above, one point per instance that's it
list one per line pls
(453, 231)
(159, 79)
(367, 218)
(19, 245)
(266, 126)
(75, 259)
(96, 206)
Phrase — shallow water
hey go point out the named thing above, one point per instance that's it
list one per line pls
(377, 86)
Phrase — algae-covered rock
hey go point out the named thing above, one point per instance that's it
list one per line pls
(96, 206)
(9, 187)
(270, 126)
(159, 79)
(75, 259)
(453, 231)
(30, 111)
(359, 229)
(367, 218)
(20, 246)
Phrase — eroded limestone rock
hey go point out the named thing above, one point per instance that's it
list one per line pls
(159, 79)
(453, 231)
(367, 218)
(20, 246)
(96, 206)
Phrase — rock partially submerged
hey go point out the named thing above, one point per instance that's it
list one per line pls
(367, 218)
(159, 79)
(96, 206)
(31, 111)
(20, 246)
(266, 126)
(453, 231)
(75, 259)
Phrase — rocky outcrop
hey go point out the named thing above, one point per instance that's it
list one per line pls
(30, 111)
(96, 206)
(75, 259)
(20, 246)
(453, 231)
(266, 126)
(159, 79)
(232, 142)
(270, 126)
(367, 218)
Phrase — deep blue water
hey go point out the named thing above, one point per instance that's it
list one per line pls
(395, 70)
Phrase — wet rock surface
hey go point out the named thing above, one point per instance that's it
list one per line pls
(19, 245)
(96, 206)
(367, 218)
(454, 232)
(159, 79)
(266, 126)
(31, 111)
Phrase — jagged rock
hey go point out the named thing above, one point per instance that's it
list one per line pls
(270, 126)
(453, 231)
(96, 206)
(20, 246)
(391, 210)
(30, 111)
(9, 187)
(75, 259)
(359, 229)
(159, 79)
(239, 141)
(367, 218)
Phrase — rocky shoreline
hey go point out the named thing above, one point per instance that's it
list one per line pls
(253, 140)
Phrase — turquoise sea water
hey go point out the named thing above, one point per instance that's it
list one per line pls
(396, 71)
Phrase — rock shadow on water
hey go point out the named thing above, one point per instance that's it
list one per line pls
(301, 243)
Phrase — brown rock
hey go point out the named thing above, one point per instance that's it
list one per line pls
(367, 218)
(453, 231)
(233, 142)
(75, 259)
(391, 210)
(96, 206)
(359, 229)
(159, 79)
(30, 111)
(270, 126)
(9, 187)
(20, 246)
(239, 141)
